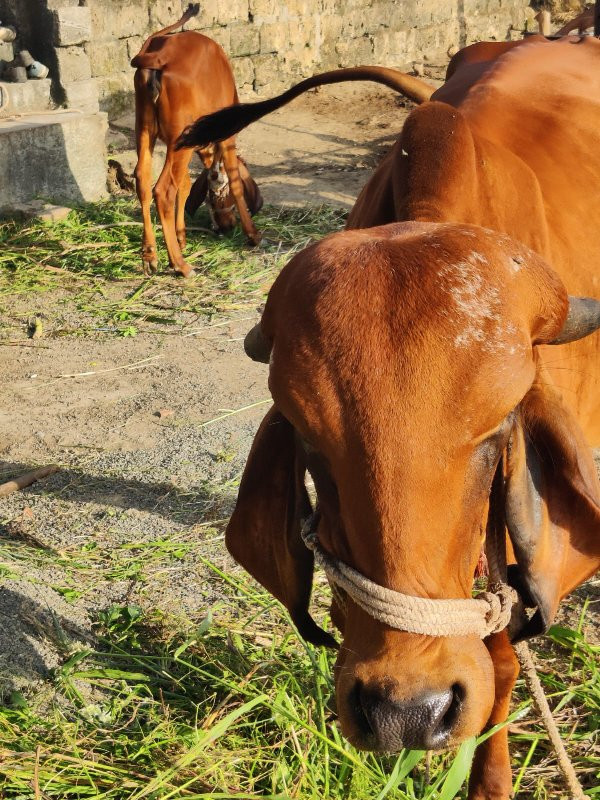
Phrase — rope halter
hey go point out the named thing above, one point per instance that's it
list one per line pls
(483, 615)
(488, 613)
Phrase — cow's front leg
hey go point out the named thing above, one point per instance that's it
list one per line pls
(491, 777)
(230, 162)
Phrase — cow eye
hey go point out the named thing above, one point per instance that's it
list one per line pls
(488, 451)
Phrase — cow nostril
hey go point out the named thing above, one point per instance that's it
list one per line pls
(452, 714)
(358, 705)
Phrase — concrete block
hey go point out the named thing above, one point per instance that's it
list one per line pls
(115, 93)
(393, 47)
(25, 97)
(73, 64)
(301, 34)
(274, 37)
(356, 51)
(267, 71)
(243, 70)
(37, 209)
(108, 58)
(300, 8)
(245, 40)
(164, 12)
(263, 9)
(64, 158)
(128, 21)
(232, 11)
(221, 35)
(121, 20)
(331, 28)
(82, 95)
(72, 25)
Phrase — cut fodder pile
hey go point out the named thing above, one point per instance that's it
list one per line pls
(234, 705)
(91, 262)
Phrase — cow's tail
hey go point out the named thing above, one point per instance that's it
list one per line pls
(192, 10)
(231, 120)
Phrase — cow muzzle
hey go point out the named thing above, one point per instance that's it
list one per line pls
(424, 722)
(398, 690)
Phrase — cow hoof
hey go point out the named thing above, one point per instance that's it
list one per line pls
(183, 270)
(255, 238)
(149, 266)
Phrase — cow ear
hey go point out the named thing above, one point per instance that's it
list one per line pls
(263, 534)
(552, 506)
(252, 195)
(197, 193)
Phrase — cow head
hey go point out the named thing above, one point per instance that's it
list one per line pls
(405, 376)
(212, 185)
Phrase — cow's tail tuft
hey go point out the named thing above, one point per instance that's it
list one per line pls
(223, 124)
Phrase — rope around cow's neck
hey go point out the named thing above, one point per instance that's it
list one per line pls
(488, 613)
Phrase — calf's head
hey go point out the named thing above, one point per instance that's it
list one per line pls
(405, 376)
(212, 186)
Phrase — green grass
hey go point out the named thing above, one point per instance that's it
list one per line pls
(92, 259)
(234, 705)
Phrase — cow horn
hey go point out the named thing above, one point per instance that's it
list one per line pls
(583, 318)
(257, 346)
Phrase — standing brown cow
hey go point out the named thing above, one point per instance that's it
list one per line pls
(179, 77)
(420, 382)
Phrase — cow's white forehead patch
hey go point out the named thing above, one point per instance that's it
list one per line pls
(476, 303)
(475, 256)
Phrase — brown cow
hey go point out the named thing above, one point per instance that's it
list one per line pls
(422, 356)
(178, 77)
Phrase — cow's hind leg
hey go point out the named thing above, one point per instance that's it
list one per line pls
(165, 195)
(491, 777)
(230, 161)
(146, 131)
(183, 192)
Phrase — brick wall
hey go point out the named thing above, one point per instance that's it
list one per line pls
(271, 43)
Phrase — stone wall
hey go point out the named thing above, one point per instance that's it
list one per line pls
(271, 43)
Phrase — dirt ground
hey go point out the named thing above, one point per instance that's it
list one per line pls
(128, 475)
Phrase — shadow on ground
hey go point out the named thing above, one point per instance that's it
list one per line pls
(38, 629)
(186, 506)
